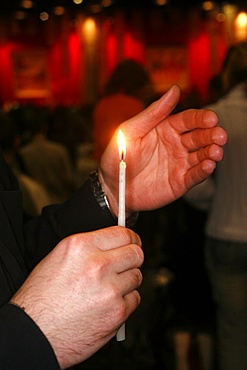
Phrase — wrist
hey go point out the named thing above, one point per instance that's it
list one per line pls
(111, 192)
(131, 217)
(99, 192)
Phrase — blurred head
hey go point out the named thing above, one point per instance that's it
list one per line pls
(36, 119)
(130, 78)
(9, 134)
(235, 66)
(215, 89)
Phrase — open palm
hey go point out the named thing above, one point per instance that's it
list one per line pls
(166, 154)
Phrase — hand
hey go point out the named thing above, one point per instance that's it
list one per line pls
(84, 290)
(166, 155)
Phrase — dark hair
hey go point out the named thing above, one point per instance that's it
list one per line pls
(234, 68)
(128, 77)
(8, 132)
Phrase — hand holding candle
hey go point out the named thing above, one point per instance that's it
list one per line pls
(121, 202)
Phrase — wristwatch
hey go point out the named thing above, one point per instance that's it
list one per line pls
(98, 192)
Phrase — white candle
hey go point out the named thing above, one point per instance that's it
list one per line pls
(122, 185)
(121, 202)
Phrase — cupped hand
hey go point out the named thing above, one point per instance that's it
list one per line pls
(83, 291)
(166, 154)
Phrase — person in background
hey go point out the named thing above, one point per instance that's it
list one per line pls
(85, 160)
(215, 90)
(192, 323)
(34, 195)
(69, 277)
(47, 161)
(226, 232)
(127, 92)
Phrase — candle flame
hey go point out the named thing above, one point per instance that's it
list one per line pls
(121, 145)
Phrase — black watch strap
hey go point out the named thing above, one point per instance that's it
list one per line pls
(98, 192)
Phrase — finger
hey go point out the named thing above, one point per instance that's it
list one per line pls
(114, 237)
(196, 139)
(130, 303)
(199, 173)
(125, 258)
(152, 116)
(213, 152)
(191, 119)
(129, 280)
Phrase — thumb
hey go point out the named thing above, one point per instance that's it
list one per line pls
(150, 117)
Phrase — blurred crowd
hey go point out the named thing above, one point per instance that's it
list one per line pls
(52, 152)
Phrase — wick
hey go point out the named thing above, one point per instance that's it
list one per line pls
(122, 156)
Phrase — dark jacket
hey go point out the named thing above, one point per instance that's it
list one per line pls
(23, 243)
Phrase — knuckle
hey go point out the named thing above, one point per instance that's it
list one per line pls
(121, 311)
(97, 266)
(130, 236)
(72, 244)
(137, 298)
(137, 278)
(139, 255)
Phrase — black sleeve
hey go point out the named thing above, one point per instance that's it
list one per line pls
(80, 213)
(23, 346)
